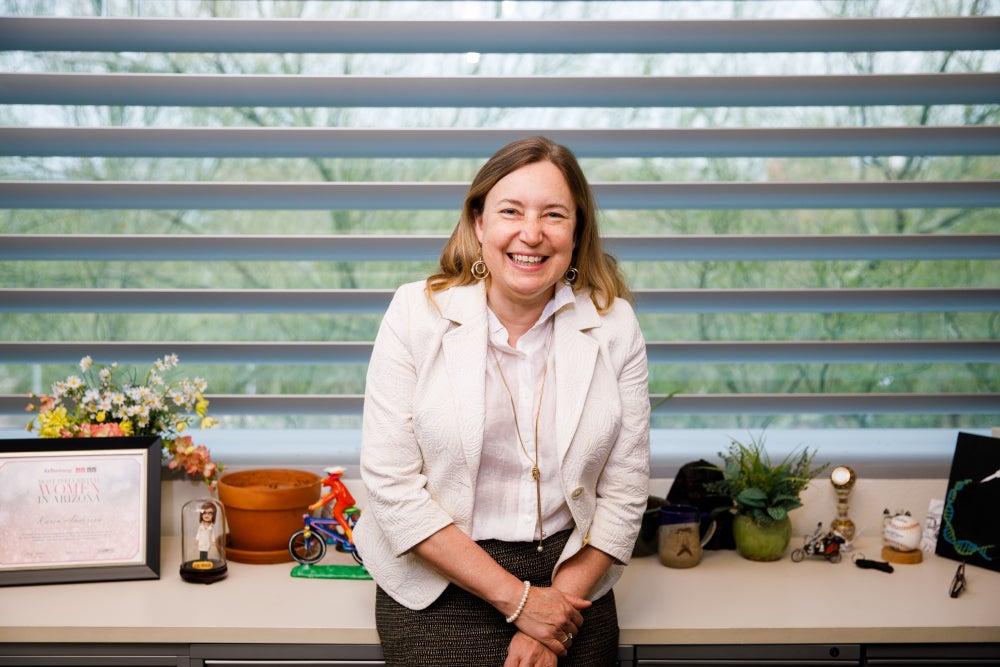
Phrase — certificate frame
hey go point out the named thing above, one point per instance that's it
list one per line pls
(111, 485)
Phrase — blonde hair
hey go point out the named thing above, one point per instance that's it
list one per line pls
(597, 270)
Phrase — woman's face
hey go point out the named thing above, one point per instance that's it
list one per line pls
(526, 230)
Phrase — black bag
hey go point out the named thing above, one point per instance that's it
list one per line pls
(689, 489)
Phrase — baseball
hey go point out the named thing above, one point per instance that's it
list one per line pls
(902, 533)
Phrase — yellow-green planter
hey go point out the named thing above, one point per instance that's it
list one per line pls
(761, 541)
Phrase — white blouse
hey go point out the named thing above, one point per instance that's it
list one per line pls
(506, 502)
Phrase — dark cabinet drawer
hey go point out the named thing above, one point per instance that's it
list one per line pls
(786, 655)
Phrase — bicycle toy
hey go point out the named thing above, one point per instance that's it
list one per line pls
(821, 545)
(308, 545)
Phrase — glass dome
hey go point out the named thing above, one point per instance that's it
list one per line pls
(203, 530)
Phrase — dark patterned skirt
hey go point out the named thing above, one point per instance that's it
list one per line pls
(460, 630)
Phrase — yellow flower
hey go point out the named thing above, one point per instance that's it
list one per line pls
(200, 405)
(100, 417)
(126, 427)
(52, 423)
(209, 422)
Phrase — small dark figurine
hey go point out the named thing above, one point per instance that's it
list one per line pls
(819, 544)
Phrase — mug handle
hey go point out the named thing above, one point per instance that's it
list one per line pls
(709, 533)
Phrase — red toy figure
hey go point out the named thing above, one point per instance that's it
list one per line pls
(308, 546)
(344, 499)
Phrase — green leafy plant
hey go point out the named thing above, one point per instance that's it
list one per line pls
(759, 489)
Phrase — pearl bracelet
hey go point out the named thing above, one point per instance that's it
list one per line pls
(524, 599)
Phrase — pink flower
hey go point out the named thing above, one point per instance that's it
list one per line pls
(105, 430)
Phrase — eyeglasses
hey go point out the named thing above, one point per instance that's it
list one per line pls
(958, 583)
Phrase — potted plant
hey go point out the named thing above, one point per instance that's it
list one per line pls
(762, 495)
(264, 507)
(108, 401)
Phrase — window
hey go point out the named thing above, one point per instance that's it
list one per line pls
(803, 196)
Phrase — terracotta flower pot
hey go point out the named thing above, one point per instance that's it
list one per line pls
(263, 508)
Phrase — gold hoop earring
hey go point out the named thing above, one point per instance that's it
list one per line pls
(571, 275)
(479, 269)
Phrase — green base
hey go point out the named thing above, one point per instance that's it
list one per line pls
(330, 572)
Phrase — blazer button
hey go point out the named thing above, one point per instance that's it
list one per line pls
(577, 492)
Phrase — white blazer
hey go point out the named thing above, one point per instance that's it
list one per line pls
(422, 434)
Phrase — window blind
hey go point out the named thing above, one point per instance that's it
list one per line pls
(42, 178)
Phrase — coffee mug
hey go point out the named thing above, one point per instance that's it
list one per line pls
(679, 538)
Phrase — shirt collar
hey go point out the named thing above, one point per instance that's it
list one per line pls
(498, 333)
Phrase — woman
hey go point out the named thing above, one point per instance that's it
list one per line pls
(505, 443)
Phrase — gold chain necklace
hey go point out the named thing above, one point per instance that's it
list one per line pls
(535, 472)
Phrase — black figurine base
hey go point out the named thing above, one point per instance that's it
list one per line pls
(203, 571)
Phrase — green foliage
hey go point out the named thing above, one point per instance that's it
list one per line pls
(696, 378)
(759, 489)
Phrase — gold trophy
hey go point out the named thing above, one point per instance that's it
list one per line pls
(843, 479)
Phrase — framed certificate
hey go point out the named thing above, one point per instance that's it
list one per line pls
(79, 509)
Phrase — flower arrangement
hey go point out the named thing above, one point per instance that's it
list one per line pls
(106, 401)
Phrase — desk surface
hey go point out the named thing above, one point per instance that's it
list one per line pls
(724, 600)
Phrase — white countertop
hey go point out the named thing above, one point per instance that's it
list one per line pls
(724, 600)
(728, 599)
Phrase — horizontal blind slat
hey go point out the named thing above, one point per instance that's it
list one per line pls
(448, 196)
(776, 247)
(228, 352)
(498, 36)
(832, 352)
(869, 300)
(772, 247)
(911, 300)
(829, 404)
(273, 142)
(679, 404)
(485, 91)
(323, 353)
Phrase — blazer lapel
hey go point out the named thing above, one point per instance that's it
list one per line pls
(464, 350)
(575, 357)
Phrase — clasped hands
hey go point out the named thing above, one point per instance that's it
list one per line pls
(546, 627)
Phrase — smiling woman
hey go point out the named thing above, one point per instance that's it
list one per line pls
(505, 441)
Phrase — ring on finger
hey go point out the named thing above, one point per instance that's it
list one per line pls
(569, 636)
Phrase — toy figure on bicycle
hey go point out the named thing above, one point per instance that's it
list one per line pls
(308, 546)
(826, 545)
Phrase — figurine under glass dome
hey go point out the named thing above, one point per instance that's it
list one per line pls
(203, 556)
